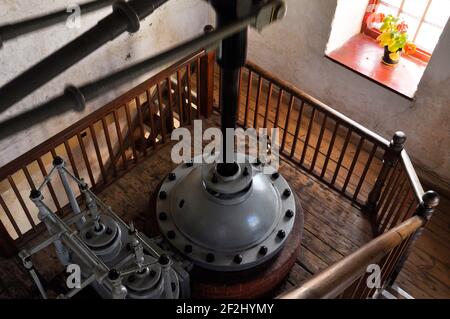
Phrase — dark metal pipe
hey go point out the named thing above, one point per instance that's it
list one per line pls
(233, 55)
(74, 98)
(125, 17)
(14, 30)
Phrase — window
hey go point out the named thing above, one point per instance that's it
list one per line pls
(426, 20)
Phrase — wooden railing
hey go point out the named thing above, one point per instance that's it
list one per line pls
(105, 144)
(373, 173)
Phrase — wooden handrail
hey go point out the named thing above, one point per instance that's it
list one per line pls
(320, 105)
(335, 279)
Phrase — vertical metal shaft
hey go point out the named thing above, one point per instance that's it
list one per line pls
(58, 162)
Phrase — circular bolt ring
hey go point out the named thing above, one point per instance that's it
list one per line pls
(237, 259)
(289, 213)
(162, 195)
(128, 11)
(263, 250)
(172, 177)
(287, 192)
(188, 249)
(162, 216)
(171, 234)
(210, 258)
(281, 234)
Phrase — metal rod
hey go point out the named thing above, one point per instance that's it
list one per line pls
(16, 29)
(75, 98)
(125, 17)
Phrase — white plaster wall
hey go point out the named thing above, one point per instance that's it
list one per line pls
(177, 20)
(293, 49)
(347, 22)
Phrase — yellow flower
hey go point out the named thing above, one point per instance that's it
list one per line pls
(394, 56)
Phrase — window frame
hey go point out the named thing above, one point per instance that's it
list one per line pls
(374, 33)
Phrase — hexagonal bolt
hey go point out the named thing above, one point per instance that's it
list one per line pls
(172, 177)
(109, 231)
(245, 173)
(281, 234)
(189, 164)
(237, 259)
(263, 250)
(162, 195)
(289, 213)
(275, 175)
(162, 216)
(287, 192)
(173, 286)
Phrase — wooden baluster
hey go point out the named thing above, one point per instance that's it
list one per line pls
(249, 93)
(189, 92)
(119, 135)
(98, 153)
(141, 124)
(162, 118)
(198, 93)
(49, 185)
(180, 98)
(71, 159)
(86, 159)
(297, 129)
(308, 136)
(238, 110)
(387, 195)
(20, 199)
(341, 157)
(330, 150)
(131, 132)
(390, 158)
(353, 164)
(170, 101)
(365, 171)
(110, 150)
(269, 96)
(286, 125)
(152, 124)
(406, 209)
(319, 142)
(206, 100)
(395, 203)
(277, 114)
(26, 172)
(10, 217)
(255, 119)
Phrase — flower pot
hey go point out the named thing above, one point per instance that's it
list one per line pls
(387, 59)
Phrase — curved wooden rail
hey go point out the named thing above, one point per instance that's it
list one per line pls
(331, 282)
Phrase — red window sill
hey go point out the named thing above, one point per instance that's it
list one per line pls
(363, 54)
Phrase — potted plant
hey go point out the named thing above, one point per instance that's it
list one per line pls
(394, 39)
